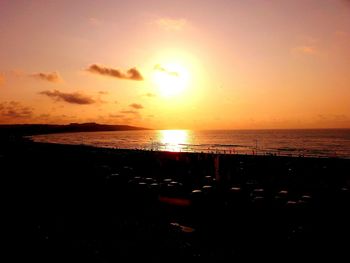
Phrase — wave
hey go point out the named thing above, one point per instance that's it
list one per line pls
(216, 145)
(336, 143)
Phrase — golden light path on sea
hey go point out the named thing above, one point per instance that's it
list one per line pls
(174, 140)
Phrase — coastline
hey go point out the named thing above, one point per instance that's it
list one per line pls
(320, 144)
(105, 204)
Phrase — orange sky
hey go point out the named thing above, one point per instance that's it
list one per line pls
(177, 64)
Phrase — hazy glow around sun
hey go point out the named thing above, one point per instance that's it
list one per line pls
(171, 79)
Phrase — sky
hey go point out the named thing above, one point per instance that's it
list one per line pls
(185, 64)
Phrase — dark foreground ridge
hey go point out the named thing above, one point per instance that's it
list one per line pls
(17, 130)
(84, 204)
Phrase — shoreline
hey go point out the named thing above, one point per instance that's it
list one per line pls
(101, 205)
(218, 163)
(213, 151)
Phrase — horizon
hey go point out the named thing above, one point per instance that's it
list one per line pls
(153, 129)
(228, 65)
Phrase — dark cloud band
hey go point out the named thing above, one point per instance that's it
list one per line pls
(15, 110)
(131, 74)
(136, 106)
(73, 98)
(53, 77)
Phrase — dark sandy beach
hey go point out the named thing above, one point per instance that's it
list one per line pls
(88, 204)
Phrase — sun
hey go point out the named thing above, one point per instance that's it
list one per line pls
(171, 79)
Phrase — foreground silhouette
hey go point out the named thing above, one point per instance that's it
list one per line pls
(85, 204)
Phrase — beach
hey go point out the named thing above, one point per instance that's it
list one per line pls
(175, 131)
(92, 204)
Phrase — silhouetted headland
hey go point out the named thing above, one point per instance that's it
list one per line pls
(17, 130)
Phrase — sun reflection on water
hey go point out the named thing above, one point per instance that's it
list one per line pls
(174, 140)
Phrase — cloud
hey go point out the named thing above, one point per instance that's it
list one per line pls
(18, 73)
(100, 94)
(131, 74)
(333, 117)
(332, 120)
(116, 115)
(130, 112)
(171, 24)
(308, 50)
(14, 109)
(150, 95)
(73, 98)
(95, 21)
(44, 116)
(2, 79)
(342, 34)
(53, 77)
(162, 69)
(136, 106)
(310, 40)
(129, 115)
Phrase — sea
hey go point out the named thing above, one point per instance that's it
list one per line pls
(309, 143)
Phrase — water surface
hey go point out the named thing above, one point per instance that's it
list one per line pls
(323, 143)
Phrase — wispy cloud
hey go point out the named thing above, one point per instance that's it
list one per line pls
(130, 112)
(150, 95)
(95, 21)
(2, 79)
(44, 116)
(73, 98)
(169, 72)
(18, 73)
(333, 117)
(136, 106)
(116, 115)
(171, 24)
(14, 109)
(308, 50)
(55, 118)
(341, 33)
(53, 77)
(332, 120)
(131, 74)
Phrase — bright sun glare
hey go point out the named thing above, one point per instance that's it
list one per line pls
(174, 140)
(171, 79)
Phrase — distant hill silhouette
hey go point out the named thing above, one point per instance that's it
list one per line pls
(35, 129)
